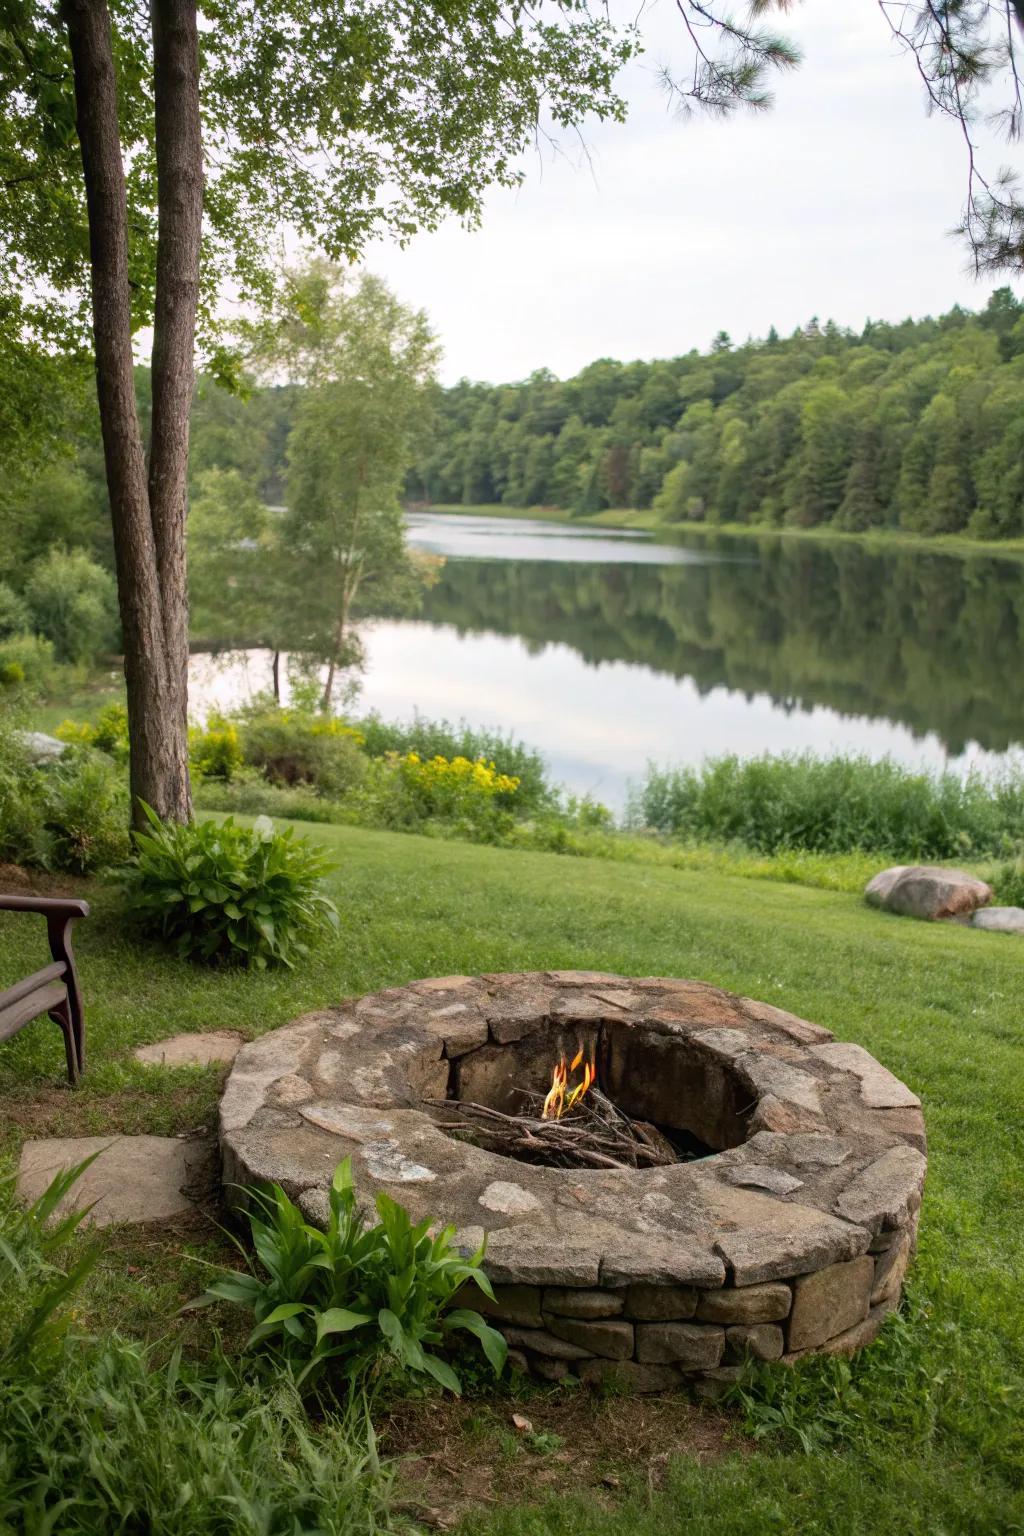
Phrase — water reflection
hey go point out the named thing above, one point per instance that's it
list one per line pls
(606, 650)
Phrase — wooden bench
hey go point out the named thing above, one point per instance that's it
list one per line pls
(54, 989)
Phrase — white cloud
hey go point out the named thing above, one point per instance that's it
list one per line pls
(838, 202)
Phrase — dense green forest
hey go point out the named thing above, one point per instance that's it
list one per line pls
(917, 426)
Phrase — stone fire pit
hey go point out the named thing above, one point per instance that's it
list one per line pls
(791, 1233)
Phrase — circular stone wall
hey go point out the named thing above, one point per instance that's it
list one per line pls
(793, 1235)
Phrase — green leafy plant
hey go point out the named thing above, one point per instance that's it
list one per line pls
(297, 746)
(36, 1291)
(1008, 884)
(224, 893)
(355, 1296)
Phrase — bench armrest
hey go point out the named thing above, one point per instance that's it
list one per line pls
(46, 906)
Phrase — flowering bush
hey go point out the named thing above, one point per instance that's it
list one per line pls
(216, 751)
(109, 734)
(405, 790)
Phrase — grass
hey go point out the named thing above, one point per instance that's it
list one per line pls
(924, 1432)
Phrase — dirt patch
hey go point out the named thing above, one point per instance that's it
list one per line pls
(39, 882)
(457, 1456)
(56, 1110)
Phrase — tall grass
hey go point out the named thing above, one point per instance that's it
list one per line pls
(834, 805)
(97, 1441)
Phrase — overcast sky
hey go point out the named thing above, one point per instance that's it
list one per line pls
(837, 203)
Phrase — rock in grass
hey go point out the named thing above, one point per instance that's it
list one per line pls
(927, 891)
(1000, 919)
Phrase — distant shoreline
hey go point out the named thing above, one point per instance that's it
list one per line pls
(628, 518)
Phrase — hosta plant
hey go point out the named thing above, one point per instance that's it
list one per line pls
(221, 892)
(356, 1297)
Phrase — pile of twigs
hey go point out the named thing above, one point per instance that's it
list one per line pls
(594, 1134)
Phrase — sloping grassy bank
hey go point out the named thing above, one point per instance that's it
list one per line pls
(921, 1434)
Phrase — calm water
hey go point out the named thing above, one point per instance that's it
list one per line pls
(606, 649)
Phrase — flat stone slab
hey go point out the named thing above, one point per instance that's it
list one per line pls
(1000, 919)
(201, 1050)
(134, 1178)
(815, 1149)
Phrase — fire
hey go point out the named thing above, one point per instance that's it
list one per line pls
(561, 1097)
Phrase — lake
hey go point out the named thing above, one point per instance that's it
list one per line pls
(607, 649)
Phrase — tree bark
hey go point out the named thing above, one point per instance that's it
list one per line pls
(179, 166)
(149, 551)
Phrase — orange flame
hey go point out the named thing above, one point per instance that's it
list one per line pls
(561, 1098)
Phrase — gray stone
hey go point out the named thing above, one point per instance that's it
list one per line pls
(539, 1342)
(890, 1270)
(681, 1260)
(386, 1161)
(887, 1192)
(134, 1178)
(514, 1254)
(759, 1176)
(850, 1340)
(568, 1301)
(927, 891)
(629, 1376)
(550, 1370)
(509, 1199)
(695, 1346)
(661, 1303)
(762, 1340)
(791, 1084)
(879, 1089)
(291, 1090)
(746, 1304)
(1000, 919)
(829, 1302)
(202, 1050)
(612, 1338)
(39, 747)
(516, 1361)
(516, 1304)
(461, 1028)
(784, 1238)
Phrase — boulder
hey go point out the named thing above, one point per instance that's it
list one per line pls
(41, 748)
(1000, 919)
(927, 891)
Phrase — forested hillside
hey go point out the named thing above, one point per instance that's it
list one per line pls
(917, 426)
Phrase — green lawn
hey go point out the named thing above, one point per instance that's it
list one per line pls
(922, 1433)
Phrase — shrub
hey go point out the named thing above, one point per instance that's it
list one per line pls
(215, 751)
(109, 734)
(438, 738)
(68, 814)
(27, 660)
(13, 612)
(85, 808)
(295, 747)
(1008, 884)
(834, 804)
(355, 1296)
(410, 792)
(223, 893)
(73, 602)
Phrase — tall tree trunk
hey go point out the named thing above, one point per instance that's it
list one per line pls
(179, 168)
(276, 673)
(149, 554)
